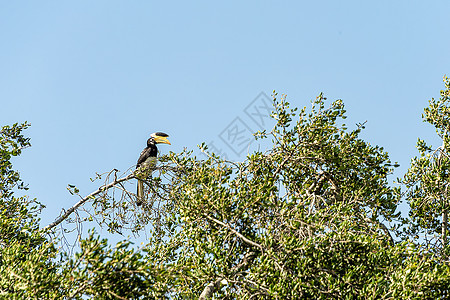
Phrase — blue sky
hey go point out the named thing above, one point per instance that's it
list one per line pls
(95, 78)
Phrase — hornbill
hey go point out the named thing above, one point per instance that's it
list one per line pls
(147, 161)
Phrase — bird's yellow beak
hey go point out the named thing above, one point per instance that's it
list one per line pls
(161, 140)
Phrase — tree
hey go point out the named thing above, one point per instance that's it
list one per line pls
(428, 178)
(27, 269)
(306, 219)
(303, 220)
(292, 222)
(32, 267)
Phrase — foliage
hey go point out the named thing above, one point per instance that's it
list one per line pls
(428, 178)
(11, 144)
(303, 209)
(119, 273)
(26, 266)
(305, 219)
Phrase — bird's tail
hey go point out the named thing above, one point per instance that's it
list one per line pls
(140, 193)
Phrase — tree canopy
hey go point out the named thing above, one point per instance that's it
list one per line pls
(314, 217)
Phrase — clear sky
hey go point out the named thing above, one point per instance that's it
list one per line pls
(95, 78)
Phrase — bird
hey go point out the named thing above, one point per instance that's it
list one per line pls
(147, 161)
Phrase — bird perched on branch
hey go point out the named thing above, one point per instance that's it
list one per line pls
(147, 161)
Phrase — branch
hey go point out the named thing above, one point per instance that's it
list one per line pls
(211, 288)
(250, 242)
(83, 200)
(115, 295)
(78, 290)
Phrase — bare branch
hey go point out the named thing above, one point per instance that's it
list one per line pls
(85, 199)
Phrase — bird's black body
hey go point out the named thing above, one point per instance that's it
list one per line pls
(147, 161)
(150, 151)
